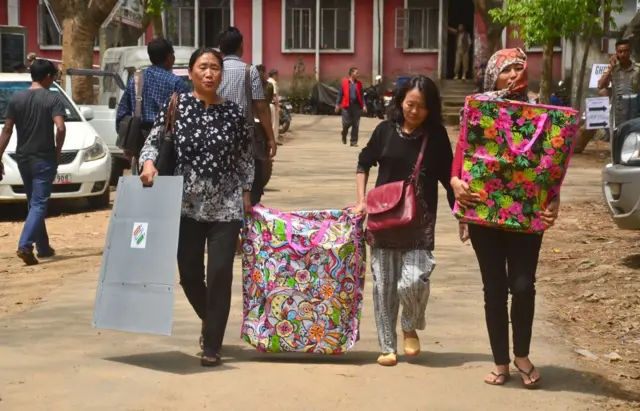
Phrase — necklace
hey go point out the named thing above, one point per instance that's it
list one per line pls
(415, 134)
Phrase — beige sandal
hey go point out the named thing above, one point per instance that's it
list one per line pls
(411, 347)
(387, 360)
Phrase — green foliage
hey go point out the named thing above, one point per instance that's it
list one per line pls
(155, 7)
(540, 22)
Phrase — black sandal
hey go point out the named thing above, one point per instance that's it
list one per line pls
(534, 383)
(210, 360)
(505, 378)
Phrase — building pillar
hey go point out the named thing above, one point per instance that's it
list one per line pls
(196, 25)
(13, 12)
(378, 24)
(257, 34)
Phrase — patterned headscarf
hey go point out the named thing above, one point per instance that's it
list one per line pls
(498, 62)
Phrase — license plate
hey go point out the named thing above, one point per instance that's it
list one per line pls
(62, 179)
(288, 106)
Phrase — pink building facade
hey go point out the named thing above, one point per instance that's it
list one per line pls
(380, 37)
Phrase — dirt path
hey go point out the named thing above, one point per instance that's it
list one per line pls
(52, 360)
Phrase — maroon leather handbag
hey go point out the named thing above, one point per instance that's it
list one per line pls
(393, 205)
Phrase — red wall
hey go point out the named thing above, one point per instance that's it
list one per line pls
(332, 65)
(242, 16)
(395, 61)
(535, 59)
(4, 17)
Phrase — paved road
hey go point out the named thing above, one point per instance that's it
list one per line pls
(51, 359)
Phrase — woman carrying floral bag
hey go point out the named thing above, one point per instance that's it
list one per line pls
(509, 165)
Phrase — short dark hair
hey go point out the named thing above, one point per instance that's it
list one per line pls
(622, 42)
(19, 66)
(159, 49)
(432, 99)
(261, 68)
(230, 40)
(273, 72)
(352, 69)
(41, 69)
(201, 52)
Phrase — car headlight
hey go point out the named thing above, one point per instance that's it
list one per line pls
(630, 148)
(95, 152)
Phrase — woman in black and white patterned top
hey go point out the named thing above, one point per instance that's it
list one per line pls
(214, 156)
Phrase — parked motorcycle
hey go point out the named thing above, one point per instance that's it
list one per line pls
(285, 115)
(374, 102)
(321, 101)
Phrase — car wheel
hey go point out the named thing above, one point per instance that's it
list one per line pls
(117, 170)
(101, 201)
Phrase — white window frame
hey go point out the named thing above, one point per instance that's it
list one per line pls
(349, 50)
(46, 4)
(425, 50)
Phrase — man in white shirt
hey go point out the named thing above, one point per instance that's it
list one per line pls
(275, 104)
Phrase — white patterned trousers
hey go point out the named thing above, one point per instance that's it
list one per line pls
(400, 277)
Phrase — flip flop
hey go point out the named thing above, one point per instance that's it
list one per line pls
(214, 362)
(534, 383)
(387, 360)
(505, 378)
(411, 347)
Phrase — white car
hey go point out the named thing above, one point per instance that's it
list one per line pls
(85, 166)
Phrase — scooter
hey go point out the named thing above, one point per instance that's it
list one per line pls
(375, 104)
(285, 115)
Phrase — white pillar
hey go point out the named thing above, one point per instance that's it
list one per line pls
(13, 12)
(196, 25)
(256, 32)
(442, 29)
(317, 40)
(378, 24)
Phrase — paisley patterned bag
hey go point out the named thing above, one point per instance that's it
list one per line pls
(303, 277)
(516, 156)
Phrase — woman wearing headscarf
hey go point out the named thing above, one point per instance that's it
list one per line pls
(508, 260)
(402, 263)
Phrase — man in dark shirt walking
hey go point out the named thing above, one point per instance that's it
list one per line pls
(158, 84)
(351, 102)
(34, 112)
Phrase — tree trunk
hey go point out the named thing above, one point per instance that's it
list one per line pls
(158, 28)
(582, 70)
(78, 38)
(547, 73)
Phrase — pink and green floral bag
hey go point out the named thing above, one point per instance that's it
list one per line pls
(516, 156)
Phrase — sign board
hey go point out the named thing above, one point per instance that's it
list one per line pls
(135, 289)
(598, 113)
(637, 6)
(127, 12)
(596, 74)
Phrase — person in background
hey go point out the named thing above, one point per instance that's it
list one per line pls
(20, 68)
(623, 74)
(402, 262)
(351, 103)
(233, 88)
(273, 79)
(38, 115)
(214, 155)
(463, 45)
(508, 260)
(158, 84)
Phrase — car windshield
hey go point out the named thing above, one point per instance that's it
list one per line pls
(8, 88)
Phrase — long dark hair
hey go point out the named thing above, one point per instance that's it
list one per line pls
(432, 99)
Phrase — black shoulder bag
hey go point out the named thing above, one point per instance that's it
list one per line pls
(130, 136)
(257, 134)
(166, 161)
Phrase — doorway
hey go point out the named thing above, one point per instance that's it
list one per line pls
(212, 21)
(460, 12)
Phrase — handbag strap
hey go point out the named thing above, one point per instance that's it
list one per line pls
(416, 170)
(170, 119)
(138, 80)
(248, 94)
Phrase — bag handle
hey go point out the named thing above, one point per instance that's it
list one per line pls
(416, 169)
(138, 80)
(314, 242)
(170, 119)
(542, 120)
(248, 95)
